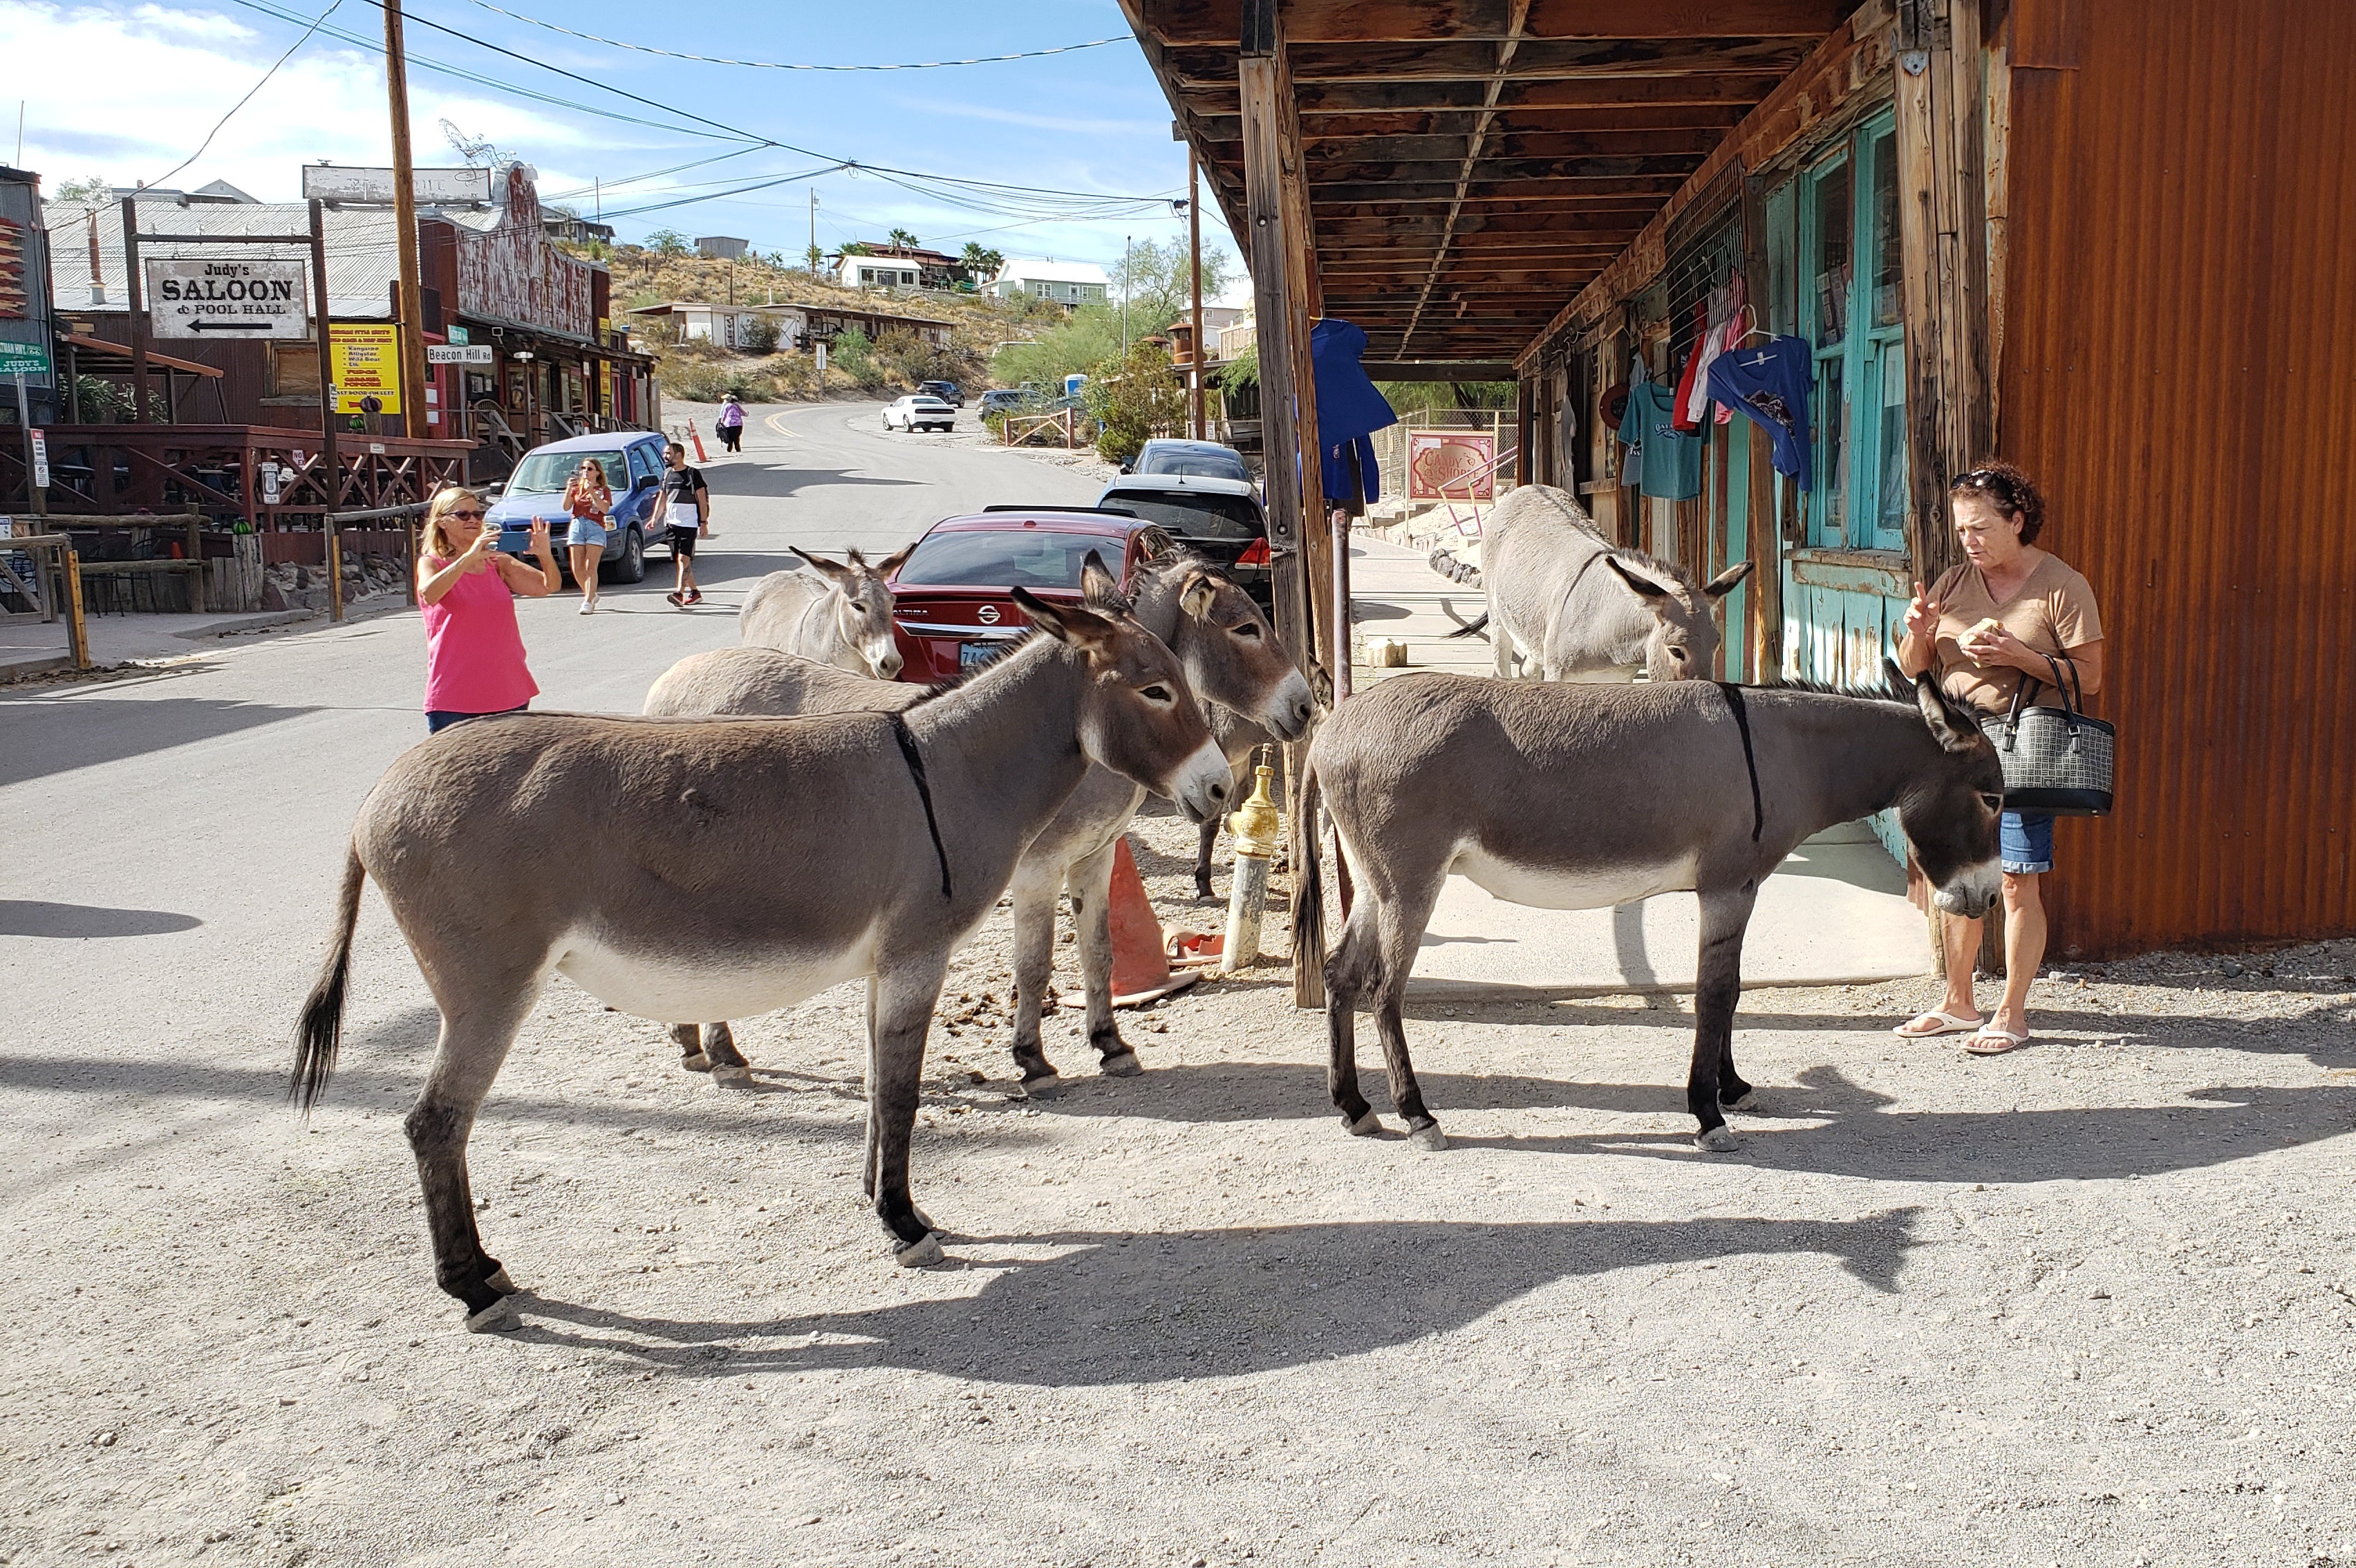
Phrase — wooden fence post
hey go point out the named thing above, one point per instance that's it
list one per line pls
(77, 633)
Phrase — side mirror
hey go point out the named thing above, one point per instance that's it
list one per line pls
(1127, 469)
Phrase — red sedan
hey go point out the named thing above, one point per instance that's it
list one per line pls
(954, 607)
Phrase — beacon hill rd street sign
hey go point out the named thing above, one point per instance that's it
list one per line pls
(218, 300)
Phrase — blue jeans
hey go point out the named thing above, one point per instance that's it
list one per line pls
(2025, 843)
(439, 719)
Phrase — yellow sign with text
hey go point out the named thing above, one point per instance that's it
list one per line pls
(606, 386)
(364, 363)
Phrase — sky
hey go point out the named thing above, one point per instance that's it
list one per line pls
(127, 91)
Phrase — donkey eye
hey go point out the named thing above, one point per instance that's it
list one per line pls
(1992, 802)
(1679, 654)
(1155, 693)
(1249, 629)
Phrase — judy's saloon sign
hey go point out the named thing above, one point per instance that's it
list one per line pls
(218, 300)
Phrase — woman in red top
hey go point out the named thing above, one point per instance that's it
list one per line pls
(465, 590)
(589, 500)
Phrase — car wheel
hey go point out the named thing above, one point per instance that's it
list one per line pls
(631, 565)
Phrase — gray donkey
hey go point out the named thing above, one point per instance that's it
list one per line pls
(834, 613)
(720, 876)
(1581, 797)
(1231, 657)
(1549, 603)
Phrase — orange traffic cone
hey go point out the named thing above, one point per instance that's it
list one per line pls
(697, 436)
(1141, 965)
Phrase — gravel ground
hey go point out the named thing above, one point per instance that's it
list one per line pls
(2091, 1303)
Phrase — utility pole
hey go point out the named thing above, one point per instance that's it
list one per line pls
(815, 254)
(1194, 243)
(1124, 299)
(404, 222)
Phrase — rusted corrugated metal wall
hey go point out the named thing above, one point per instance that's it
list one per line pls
(2178, 358)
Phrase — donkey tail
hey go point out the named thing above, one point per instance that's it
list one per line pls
(1472, 628)
(1309, 879)
(321, 1032)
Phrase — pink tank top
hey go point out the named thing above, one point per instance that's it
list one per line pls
(474, 650)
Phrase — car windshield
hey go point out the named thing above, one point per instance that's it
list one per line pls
(1193, 515)
(1025, 558)
(545, 473)
(1194, 465)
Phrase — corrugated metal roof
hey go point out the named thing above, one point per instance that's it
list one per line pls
(2183, 256)
(361, 258)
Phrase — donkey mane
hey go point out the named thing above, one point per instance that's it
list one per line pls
(1864, 691)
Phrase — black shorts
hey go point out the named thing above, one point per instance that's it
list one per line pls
(682, 541)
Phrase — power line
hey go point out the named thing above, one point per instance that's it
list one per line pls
(783, 64)
(250, 91)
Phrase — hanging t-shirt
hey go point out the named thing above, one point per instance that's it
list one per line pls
(1770, 383)
(1672, 459)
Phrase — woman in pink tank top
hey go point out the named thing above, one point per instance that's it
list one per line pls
(467, 589)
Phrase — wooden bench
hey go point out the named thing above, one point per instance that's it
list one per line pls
(126, 572)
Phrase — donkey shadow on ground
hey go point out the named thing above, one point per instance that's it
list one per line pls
(1111, 1308)
(1822, 1122)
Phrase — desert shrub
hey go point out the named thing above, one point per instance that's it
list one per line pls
(759, 337)
(1134, 399)
(854, 355)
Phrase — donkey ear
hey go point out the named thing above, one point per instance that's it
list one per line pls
(1956, 730)
(834, 570)
(858, 561)
(1099, 587)
(1723, 583)
(894, 561)
(1072, 623)
(1155, 542)
(1645, 589)
(1200, 591)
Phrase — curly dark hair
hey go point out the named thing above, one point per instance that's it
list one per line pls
(2013, 492)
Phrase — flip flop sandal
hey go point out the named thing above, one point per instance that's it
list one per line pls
(1991, 1042)
(1948, 1024)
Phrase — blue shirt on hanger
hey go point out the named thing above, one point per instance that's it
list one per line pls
(1770, 383)
(1672, 468)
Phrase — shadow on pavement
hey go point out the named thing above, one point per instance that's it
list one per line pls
(58, 737)
(1157, 1308)
(781, 479)
(33, 918)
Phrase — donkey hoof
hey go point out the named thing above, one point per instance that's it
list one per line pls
(698, 1062)
(1122, 1063)
(1367, 1127)
(1046, 1086)
(498, 1280)
(921, 1254)
(497, 1318)
(1743, 1094)
(1718, 1140)
(733, 1076)
(1429, 1138)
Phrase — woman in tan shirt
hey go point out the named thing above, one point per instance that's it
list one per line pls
(2010, 613)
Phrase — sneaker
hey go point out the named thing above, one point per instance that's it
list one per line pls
(695, 596)
(676, 600)
(587, 605)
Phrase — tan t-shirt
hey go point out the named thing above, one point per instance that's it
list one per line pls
(2053, 612)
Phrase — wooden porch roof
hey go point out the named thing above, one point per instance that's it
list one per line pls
(1472, 165)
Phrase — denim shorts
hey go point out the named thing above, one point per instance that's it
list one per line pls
(586, 531)
(2025, 842)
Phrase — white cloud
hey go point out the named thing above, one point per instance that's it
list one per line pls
(129, 92)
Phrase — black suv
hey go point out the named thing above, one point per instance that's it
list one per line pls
(945, 391)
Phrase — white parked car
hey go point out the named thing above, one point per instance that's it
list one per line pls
(920, 413)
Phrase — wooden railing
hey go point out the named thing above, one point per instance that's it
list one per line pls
(222, 471)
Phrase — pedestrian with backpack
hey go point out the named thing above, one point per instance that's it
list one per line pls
(731, 424)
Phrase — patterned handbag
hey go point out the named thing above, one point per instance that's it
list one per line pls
(2056, 760)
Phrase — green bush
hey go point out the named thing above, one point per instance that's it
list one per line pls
(854, 355)
(1133, 400)
(759, 337)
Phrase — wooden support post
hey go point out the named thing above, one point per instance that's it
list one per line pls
(1294, 506)
(77, 630)
(331, 460)
(1763, 594)
(1942, 212)
(1523, 411)
(134, 288)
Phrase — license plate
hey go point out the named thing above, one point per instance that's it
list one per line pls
(972, 653)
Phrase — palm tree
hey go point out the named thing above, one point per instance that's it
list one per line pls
(902, 240)
(981, 261)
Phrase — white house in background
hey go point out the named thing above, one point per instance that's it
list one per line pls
(1065, 283)
(727, 324)
(880, 272)
(720, 247)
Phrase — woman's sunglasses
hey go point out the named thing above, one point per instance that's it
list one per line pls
(465, 516)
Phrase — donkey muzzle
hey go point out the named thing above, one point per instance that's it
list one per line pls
(1289, 712)
(1973, 893)
(1203, 785)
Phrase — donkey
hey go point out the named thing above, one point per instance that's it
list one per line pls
(1582, 797)
(722, 876)
(1538, 555)
(836, 614)
(1231, 657)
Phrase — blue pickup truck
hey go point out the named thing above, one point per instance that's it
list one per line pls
(633, 464)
